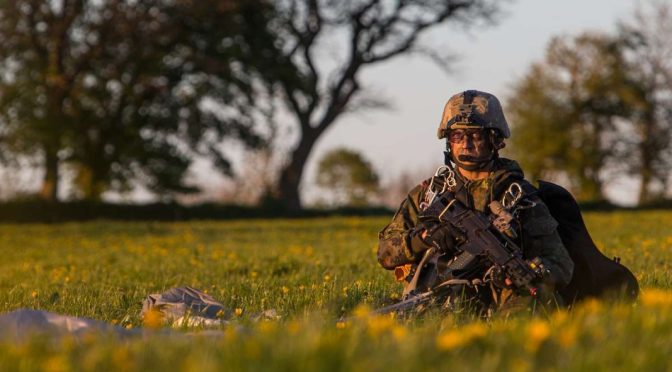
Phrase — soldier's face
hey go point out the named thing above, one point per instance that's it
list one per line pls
(470, 145)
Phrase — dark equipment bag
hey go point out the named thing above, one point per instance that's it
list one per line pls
(595, 275)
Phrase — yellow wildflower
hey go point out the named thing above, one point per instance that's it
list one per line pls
(458, 337)
(379, 324)
(56, 363)
(362, 311)
(567, 336)
(267, 327)
(152, 319)
(560, 317)
(399, 333)
(591, 306)
(520, 365)
(537, 332)
(656, 297)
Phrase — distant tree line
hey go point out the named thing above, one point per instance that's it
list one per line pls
(599, 106)
(125, 93)
(119, 90)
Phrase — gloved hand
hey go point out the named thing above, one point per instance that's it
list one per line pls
(445, 237)
(418, 241)
(430, 233)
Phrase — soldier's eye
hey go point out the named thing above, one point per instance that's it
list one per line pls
(458, 135)
(476, 135)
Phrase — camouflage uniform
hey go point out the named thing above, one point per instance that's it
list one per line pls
(537, 237)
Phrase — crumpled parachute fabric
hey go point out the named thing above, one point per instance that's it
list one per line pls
(21, 323)
(179, 307)
(186, 306)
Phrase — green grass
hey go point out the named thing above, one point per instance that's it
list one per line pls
(311, 272)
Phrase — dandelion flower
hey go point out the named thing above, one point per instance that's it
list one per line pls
(656, 297)
(152, 319)
(537, 332)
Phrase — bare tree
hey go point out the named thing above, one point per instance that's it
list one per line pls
(315, 90)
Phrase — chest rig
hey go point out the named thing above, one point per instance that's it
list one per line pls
(513, 200)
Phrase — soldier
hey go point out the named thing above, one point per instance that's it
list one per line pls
(475, 128)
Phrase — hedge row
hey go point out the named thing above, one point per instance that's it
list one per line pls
(45, 212)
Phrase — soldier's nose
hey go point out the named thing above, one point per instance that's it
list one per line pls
(467, 143)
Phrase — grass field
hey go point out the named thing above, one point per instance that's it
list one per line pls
(311, 272)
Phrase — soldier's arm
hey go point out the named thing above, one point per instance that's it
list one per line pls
(541, 239)
(395, 247)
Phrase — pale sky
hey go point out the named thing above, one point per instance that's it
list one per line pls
(490, 59)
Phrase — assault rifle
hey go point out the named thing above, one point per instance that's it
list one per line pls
(481, 240)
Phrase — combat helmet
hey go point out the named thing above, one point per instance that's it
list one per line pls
(473, 109)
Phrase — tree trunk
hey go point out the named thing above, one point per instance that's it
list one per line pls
(290, 177)
(648, 151)
(646, 167)
(49, 190)
(90, 183)
(644, 194)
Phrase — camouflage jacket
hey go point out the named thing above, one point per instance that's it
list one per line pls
(538, 236)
